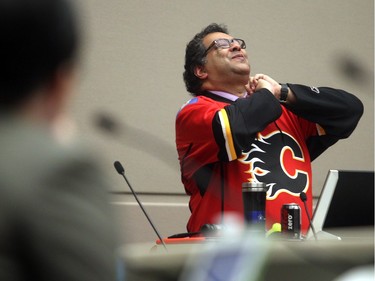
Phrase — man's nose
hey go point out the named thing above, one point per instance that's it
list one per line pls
(235, 46)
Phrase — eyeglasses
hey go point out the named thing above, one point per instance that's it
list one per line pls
(224, 43)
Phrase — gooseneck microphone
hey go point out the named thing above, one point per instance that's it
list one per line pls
(303, 197)
(120, 169)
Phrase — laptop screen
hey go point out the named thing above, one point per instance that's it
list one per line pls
(346, 200)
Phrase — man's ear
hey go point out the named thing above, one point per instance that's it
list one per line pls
(200, 72)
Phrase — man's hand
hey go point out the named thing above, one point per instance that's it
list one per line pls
(260, 81)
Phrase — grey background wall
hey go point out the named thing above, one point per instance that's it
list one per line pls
(133, 60)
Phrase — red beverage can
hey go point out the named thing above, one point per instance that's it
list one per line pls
(291, 221)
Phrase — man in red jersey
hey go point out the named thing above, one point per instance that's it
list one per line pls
(239, 128)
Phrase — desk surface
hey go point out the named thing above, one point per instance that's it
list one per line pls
(285, 260)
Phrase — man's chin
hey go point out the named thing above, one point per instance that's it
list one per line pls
(243, 71)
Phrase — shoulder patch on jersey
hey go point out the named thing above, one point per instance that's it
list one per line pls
(191, 101)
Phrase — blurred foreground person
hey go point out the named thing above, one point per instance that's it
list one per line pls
(55, 220)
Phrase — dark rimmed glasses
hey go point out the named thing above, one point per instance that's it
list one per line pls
(224, 43)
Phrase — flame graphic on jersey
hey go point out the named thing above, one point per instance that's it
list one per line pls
(277, 163)
(254, 170)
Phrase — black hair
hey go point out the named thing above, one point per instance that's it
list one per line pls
(195, 56)
(37, 37)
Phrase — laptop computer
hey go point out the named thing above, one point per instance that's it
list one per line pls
(345, 203)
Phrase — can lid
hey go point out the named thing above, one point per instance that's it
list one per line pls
(291, 206)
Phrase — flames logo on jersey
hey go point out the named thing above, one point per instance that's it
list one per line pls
(280, 166)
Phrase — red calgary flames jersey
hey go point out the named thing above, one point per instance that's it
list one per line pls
(278, 156)
(222, 144)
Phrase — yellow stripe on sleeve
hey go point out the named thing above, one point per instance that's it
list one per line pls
(227, 133)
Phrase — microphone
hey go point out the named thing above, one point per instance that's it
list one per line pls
(120, 169)
(303, 197)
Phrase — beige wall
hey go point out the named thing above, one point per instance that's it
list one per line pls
(133, 62)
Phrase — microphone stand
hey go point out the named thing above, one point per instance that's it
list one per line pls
(304, 199)
(119, 168)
